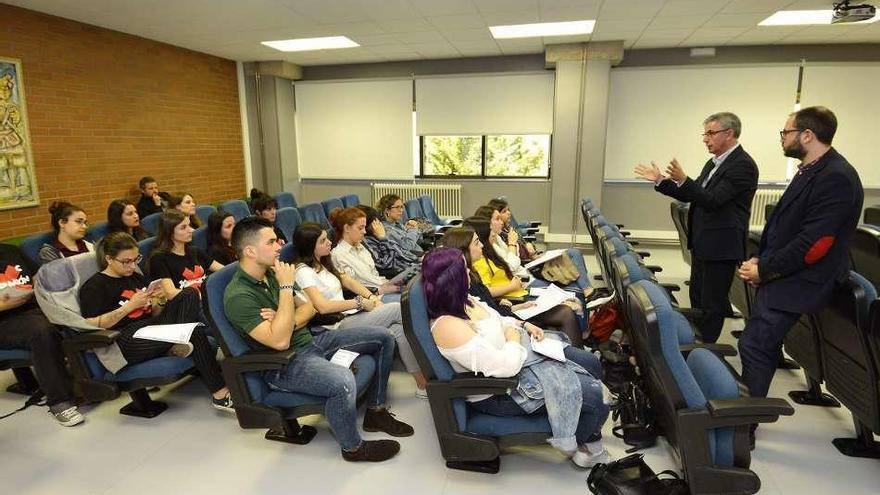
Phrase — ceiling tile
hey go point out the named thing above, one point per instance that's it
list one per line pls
(577, 38)
(505, 5)
(513, 17)
(735, 20)
(570, 14)
(375, 39)
(518, 46)
(422, 37)
(684, 21)
(625, 10)
(621, 25)
(457, 21)
(754, 6)
(405, 25)
(616, 35)
(323, 11)
(691, 7)
(720, 32)
(479, 34)
(352, 28)
(444, 7)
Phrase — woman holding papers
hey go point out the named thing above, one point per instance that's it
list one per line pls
(118, 298)
(560, 316)
(322, 282)
(475, 338)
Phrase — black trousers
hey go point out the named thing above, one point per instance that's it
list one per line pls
(709, 291)
(29, 329)
(761, 344)
(561, 318)
(184, 308)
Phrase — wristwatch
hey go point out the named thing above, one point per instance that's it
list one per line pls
(286, 286)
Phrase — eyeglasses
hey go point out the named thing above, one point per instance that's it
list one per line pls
(783, 132)
(129, 262)
(395, 207)
(712, 133)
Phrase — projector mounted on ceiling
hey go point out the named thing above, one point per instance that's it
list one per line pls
(844, 12)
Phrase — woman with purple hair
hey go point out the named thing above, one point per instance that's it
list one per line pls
(475, 338)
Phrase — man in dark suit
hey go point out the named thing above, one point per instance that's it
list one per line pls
(720, 204)
(805, 245)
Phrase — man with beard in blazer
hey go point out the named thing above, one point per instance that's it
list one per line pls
(720, 204)
(804, 248)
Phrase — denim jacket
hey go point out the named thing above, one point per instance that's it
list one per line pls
(529, 393)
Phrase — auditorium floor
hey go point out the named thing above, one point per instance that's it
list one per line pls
(191, 448)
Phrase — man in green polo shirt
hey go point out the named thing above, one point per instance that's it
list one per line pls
(259, 302)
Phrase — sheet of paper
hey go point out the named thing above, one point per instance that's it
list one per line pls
(176, 334)
(551, 348)
(344, 357)
(542, 304)
(547, 256)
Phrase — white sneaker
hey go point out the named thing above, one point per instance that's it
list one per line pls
(587, 460)
(68, 417)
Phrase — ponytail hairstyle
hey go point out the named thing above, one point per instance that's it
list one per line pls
(340, 217)
(261, 201)
(61, 210)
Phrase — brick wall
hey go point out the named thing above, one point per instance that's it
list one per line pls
(106, 108)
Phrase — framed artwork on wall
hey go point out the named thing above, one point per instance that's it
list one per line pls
(18, 182)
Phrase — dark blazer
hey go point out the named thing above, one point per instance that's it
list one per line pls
(804, 249)
(146, 206)
(718, 218)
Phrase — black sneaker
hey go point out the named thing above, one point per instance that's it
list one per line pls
(223, 404)
(373, 451)
(383, 420)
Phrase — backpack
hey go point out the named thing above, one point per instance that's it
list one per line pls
(603, 321)
(632, 476)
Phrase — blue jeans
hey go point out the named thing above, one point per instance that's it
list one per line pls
(311, 373)
(594, 411)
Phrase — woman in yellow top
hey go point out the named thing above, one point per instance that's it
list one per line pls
(494, 272)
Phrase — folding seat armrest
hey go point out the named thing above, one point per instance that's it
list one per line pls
(259, 361)
(465, 384)
(671, 287)
(643, 254)
(454, 222)
(83, 341)
(654, 268)
(619, 225)
(534, 224)
(529, 238)
(530, 230)
(717, 349)
(749, 407)
(633, 243)
(625, 233)
(442, 228)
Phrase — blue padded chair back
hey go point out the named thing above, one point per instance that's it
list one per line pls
(287, 219)
(285, 200)
(200, 238)
(716, 382)
(417, 327)
(620, 247)
(331, 204)
(32, 244)
(427, 204)
(203, 212)
(413, 209)
(313, 212)
(288, 252)
(238, 208)
(97, 232)
(659, 297)
(146, 248)
(233, 342)
(350, 200)
(150, 223)
(864, 300)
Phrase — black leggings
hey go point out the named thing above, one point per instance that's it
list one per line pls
(29, 329)
(184, 308)
(561, 318)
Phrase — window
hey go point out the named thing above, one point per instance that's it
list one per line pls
(502, 155)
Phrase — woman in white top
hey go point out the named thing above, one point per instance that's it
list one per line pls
(474, 337)
(322, 283)
(352, 257)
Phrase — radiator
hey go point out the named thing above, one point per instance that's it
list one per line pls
(447, 197)
(763, 197)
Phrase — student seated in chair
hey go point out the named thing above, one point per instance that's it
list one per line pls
(117, 298)
(220, 225)
(186, 204)
(351, 255)
(322, 282)
(174, 261)
(122, 216)
(70, 225)
(407, 236)
(475, 338)
(152, 200)
(562, 317)
(390, 259)
(509, 233)
(265, 206)
(260, 303)
(23, 326)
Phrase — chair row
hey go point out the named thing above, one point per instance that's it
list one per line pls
(702, 408)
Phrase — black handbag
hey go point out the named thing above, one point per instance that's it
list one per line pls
(326, 320)
(632, 476)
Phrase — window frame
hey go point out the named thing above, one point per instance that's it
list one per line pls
(482, 174)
